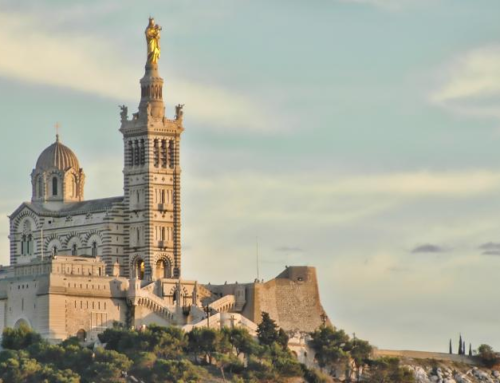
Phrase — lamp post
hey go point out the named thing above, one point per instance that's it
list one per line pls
(207, 311)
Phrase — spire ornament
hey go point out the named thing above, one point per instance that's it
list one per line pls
(57, 126)
(153, 39)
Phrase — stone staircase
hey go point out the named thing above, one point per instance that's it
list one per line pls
(143, 295)
(224, 304)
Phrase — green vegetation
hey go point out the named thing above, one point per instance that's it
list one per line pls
(167, 354)
(487, 355)
(389, 370)
(337, 353)
(154, 354)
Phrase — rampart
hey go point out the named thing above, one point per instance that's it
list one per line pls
(471, 360)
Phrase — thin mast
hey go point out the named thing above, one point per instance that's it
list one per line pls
(257, 256)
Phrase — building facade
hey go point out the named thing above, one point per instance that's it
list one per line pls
(77, 266)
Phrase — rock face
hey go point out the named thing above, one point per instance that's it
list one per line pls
(443, 373)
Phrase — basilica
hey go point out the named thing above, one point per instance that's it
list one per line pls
(77, 266)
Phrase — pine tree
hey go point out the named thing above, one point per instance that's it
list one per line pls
(460, 345)
(470, 349)
(451, 348)
(463, 348)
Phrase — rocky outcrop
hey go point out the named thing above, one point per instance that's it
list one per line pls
(451, 373)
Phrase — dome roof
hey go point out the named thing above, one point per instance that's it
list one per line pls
(57, 156)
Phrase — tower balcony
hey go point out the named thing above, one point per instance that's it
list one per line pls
(165, 207)
(165, 244)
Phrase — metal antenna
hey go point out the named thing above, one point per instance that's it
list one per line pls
(257, 256)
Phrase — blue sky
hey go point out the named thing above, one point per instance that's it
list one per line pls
(357, 136)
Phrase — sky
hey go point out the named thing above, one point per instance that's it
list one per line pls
(357, 136)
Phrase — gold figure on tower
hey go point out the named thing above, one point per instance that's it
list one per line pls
(153, 39)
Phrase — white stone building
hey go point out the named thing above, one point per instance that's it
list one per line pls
(77, 266)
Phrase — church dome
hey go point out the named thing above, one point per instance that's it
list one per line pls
(57, 156)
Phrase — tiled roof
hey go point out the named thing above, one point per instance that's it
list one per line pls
(74, 208)
(57, 156)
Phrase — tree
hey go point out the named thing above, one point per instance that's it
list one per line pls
(331, 347)
(470, 349)
(451, 348)
(359, 351)
(388, 370)
(20, 338)
(108, 366)
(267, 330)
(176, 371)
(241, 340)
(487, 355)
(204, 341)
(460, 351)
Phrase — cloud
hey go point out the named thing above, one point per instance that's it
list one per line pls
(392, 5)
(470, 84)
(491, 252)
(289, 249)
(332, 200)
(428, 248)
(490, 248)
(91, 64)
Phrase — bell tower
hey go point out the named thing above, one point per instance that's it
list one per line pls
(152, 176)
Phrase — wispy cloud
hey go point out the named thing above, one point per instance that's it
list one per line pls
(333, 199)
(289, 249)
(392, 5)
(470, 84)
(490, 248)
(428, 248)
(91, 64)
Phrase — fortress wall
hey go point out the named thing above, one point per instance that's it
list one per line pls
(291, 299)
(472, 360)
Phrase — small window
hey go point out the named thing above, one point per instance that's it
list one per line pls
(54, 186)
(73, 249)
(94, 249)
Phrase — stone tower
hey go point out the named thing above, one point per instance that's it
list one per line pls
(152, 177)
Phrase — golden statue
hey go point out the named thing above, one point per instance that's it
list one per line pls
(153, 39)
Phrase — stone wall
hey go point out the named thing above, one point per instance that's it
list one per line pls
(472, 360)
(291, 299)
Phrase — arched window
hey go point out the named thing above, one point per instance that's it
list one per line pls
(136, 153)
(23, 245)
(143, 153)
(73, 186)
(94, 249)
(29, 245)
(162, 269)
(171, 153)
(130, 154)
(54, 186)
(140, 269)
(81, 334)
(74, 249)
(54, 251)
(156, 154)
(40, 187)
(163, 153)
